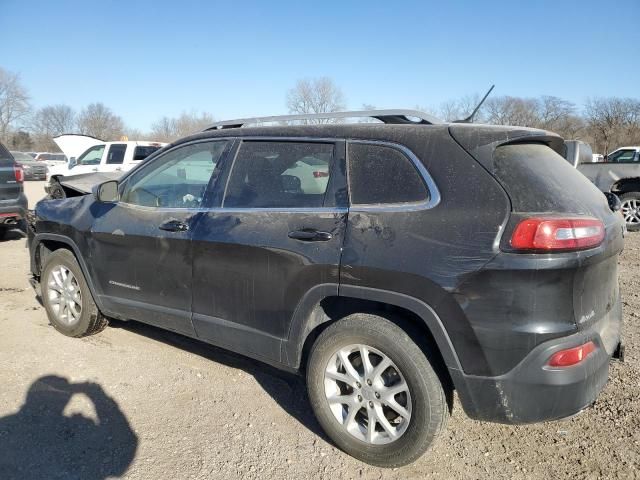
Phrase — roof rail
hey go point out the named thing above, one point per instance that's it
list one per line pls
(385, 116)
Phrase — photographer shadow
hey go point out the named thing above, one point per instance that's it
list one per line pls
(40, 442)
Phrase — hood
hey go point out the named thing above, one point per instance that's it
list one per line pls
(73, 145)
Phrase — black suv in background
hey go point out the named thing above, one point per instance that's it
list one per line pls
(389, 263)
(13, 202)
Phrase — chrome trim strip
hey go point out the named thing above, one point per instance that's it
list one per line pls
(434, 193)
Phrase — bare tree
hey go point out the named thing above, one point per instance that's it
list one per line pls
(169, 129)
(14, 102)
(512, 111)
(319, 95)
(49, 122)
(460, 109)
(613, 121)
(99, 121)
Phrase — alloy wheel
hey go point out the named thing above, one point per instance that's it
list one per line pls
(631, 211)
(367, 394)
(64, 295)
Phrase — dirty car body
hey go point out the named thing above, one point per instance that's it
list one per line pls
(432, 244)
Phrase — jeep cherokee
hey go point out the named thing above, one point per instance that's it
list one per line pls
(389, 263)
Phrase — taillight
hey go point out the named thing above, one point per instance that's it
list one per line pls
(320, 174)
(19, 173)
(571, 356)
(553, 234)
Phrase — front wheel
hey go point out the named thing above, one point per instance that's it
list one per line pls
(374, 391)
(67, 298)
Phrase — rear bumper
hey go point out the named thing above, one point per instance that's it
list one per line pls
(11, 211)
(532, 391)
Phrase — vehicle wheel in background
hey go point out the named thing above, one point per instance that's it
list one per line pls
(67, 298)
(374, 391)
(631, 210)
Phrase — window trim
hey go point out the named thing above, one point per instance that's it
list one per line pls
(241, 140)
(432, 189)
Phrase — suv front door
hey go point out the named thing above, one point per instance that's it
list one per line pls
(141, 246)
(276, 235)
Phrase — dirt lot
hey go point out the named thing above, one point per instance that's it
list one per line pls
(138, 402)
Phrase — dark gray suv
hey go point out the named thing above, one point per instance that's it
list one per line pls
(13, 202)
(389, 263)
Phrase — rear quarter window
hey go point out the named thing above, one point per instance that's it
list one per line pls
(140, 153)
(381, 174)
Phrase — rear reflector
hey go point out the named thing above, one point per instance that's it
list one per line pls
(553, 234)
(19, 173)
(571, 356)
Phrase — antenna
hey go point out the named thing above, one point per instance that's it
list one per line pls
(469, 119)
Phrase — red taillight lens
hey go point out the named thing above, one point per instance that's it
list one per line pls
(549, 234)
(320, 174)
(19, 173)
(571, 356)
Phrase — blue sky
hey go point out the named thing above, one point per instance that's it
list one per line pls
(146, 59)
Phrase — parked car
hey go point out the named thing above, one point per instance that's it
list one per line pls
(88, 154)
(434, 257)
(619, 174)
(13, 202)
(33, 170)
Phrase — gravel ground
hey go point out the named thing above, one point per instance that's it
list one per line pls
(140, 403)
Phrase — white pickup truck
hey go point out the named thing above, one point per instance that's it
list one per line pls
(88, 154)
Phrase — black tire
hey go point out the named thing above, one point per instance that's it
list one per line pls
(3, 232)
(632, 227)
(90, 321)
(429, 406)
(56, 191)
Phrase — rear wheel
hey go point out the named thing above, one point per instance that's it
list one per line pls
(67, 298)
(630, 209)
(374, 391)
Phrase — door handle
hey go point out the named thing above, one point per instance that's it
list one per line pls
(94, 169)
(174, 226)
(310, 235)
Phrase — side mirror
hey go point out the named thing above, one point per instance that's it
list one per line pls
(72, 162)
(107, 192)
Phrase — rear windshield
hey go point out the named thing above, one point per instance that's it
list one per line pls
(5, 157)
(140, 153)
(539, 180)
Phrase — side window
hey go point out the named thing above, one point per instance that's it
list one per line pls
(279, 175)
(177, 179)
(91, 156)
(380, 174)
(140, 153)
(622, 156)
(116, 154)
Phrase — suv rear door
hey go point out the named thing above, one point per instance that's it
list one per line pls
(276, 234)
(10, 188)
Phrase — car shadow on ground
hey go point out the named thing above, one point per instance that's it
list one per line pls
(287, 389)
(40, 442)
(13, 234)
